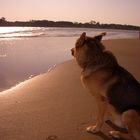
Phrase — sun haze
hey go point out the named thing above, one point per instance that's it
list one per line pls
(104, 11)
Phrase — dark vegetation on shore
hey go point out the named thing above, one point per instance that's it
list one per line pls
(47, 23)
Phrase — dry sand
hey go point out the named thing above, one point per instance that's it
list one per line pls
(54, 106)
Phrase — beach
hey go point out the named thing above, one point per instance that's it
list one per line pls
(55, 106)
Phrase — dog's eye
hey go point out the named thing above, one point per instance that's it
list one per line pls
(80, 44)
(77, 44)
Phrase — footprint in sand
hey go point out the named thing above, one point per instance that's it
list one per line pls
(52, 137)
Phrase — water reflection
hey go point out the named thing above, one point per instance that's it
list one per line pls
(21, 59)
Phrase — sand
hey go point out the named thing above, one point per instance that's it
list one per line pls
(55, 106)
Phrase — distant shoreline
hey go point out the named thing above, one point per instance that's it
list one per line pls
(47, 23)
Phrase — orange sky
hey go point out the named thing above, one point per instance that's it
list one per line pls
(104, 11)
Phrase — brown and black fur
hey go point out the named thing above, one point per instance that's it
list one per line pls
(114, 88)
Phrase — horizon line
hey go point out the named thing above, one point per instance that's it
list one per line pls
(68, 21)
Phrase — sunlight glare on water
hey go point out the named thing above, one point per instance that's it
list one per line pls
(4, 30)
(9, 32)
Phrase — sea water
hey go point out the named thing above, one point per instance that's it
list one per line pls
(29, 51)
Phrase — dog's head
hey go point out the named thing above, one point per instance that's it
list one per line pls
(86, 48)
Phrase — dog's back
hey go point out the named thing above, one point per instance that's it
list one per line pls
(124, 94)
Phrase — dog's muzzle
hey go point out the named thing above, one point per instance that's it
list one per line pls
(72, 51)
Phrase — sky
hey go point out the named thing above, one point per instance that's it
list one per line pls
(103, 11)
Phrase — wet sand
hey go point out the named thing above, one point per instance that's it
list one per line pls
(55, 106)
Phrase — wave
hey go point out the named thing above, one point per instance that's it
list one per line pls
(25, 32)
(21, 35)
(16, 32)
(38, 32)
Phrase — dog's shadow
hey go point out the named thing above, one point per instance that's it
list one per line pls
(112, 125)
(102, 135)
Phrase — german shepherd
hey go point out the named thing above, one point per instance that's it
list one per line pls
(114, 88)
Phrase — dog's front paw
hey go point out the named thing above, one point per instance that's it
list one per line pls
(93, 129)
(115, 134)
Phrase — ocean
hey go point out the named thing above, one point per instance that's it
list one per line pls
(29, 51)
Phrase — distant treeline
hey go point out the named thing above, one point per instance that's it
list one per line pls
(47, 23)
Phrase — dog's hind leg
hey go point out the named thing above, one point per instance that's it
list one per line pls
(101, 105)
(131, 120)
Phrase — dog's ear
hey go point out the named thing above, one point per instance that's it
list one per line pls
(99, 37)
(82, 38)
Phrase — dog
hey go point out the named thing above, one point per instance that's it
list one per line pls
(114, 88)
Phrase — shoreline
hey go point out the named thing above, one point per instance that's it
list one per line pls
(113, 48)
